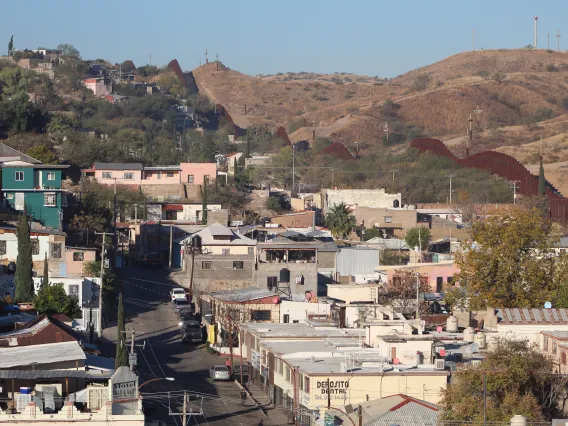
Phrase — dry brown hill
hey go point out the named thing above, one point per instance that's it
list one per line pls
(437, 98)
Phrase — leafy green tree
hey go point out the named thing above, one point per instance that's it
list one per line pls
(24, 280)
(541, 179)
(121, 359)
(512, 262)
(45, 280)
(519, 381)
(52, 299)
(69, 50)
(340, 221)
(273, 203)
(418, 237)
(44, 154)
(204, 199)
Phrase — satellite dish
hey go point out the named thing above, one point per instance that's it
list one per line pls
(547, 305)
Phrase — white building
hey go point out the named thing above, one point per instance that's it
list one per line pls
(377, 198)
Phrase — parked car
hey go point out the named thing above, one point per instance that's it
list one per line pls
(178, 293)
(178, 304)
(151, 260)
(219, 372)
(191, 332)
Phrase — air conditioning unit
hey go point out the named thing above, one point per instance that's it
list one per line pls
(440, 364)
(476, 362)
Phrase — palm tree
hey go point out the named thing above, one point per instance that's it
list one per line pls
(340, 221)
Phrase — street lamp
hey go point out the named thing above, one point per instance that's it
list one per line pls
(170, 379)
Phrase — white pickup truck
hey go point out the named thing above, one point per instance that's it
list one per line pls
(178, 293)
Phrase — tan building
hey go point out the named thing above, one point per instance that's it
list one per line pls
(555, 345)
(295, 220)
(392, 222)
(76, 259)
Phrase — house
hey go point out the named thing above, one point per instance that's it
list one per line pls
(300, 312)
(181, 212)
(195, 173)
(374, 198)
(303, 219)
(356, 260)
(124, 173)
(437, 275)
(161, 175)
(296, 264)
(554, 344)
(232, 159)
(115, 99)
(390, 222)
(256, 160)
(222, 259)
(76, 259)
(35, 187)
(98, 86)
(42, 330)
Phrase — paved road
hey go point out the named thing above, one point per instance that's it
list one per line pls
(145, 294)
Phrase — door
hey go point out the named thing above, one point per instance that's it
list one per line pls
(20, 201)
(393, 353)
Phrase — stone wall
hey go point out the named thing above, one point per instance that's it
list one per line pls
(377, 198)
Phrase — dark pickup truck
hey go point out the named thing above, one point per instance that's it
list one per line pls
(191, 332)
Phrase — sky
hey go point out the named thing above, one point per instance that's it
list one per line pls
(367, 37)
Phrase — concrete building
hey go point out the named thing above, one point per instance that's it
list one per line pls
(300, 312)
(304, 219)
(76, 259)
(98, 86)
(195, 173)
(375, 198)
(124, 173)
(180, 211)
(35, 187)
(230, 160)
(295, 264)
(356, 260)
(555, 345)
(437, 275)
(225, 260)
(391, 222)
(256, 160)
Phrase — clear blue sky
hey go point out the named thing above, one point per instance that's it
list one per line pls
(371, 37)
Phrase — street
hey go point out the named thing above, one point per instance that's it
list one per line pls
(149, 313)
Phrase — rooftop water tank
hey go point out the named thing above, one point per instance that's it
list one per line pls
(518, 420)
(469, 335)
(480, 340)
(452, 324)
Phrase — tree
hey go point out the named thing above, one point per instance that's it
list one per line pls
(273, 203)
(69, 50)
(511, 263)
(418, 237)
(45, 280)
(499, 76)
(43, 153)
(10, 45)
(541, 180)
(519, 381)
(52, 299)
(24, 281)
(204, 196)
(121, 359)
(340, 221)
(400, 293)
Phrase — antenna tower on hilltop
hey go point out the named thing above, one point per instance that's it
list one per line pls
(558, 38)
(206, 59)
(535, 31)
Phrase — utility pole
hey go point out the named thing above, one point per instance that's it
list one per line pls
(293, 169)
(386, 130)
(535, 31)
(131, 357)
(515, 187)
(360, 415)
(558, 39)
(469, 136)
(450, 176)
(171, 245)
(102, 273)
(418, 276)
(393, 172)
(184, 415)
(115, 238)
(485, 398)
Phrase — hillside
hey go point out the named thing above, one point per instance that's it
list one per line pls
(436, 99)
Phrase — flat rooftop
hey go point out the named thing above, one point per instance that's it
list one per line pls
(40, 354)
(330, 346)
(280, 330)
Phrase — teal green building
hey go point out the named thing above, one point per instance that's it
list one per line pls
(36, 187)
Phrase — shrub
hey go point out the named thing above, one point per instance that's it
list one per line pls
(551, 68)
(295, 125)
(499, 76)
(421, 82)
(273, 203)
(349, 95)
(543, 114)
(551, 100)
(484, 74)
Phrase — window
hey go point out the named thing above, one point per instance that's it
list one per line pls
(238, 265)
(49, 199)
(19, 176)
(35, 247)
(554, 347)
(251, 250)
(159, 175)
(107, 175)
(74, 290)
(296, 322)
(128, 176)
(170, 174)
(56, 250)
(301, 382)
(226, 251)
(3, 247)
(388, 219)
(206, 265)
(271, 282)
(190, 178)
(306, 384)
(10, 196)
(563, 357)
(439, 284)
(286, 319)
(545, 344)
(78, 256)
(450, 280)
(287, 374)
(263, 315)
(50, 175)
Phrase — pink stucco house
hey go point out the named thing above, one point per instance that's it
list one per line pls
(438, 275)
(97, 86)
(161, 175)
(76, 259)
(124, 173)
(193, 173)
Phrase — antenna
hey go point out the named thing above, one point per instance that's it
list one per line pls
(558, 38)
(535, 31)
(206, 59)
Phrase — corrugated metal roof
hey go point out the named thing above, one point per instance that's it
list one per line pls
(357, 260)
(217, 229)
(52, 374)
(242, 294)
(40, 354)
(533, 316)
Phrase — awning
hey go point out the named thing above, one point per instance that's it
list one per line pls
(173, 207)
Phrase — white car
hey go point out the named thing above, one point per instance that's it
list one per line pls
(177, 293)
(220, 372)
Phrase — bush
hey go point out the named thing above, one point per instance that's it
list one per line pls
(499, 76)
(273, 203)
(295, 125)
(349, 95)
(543, 114)
(551, 68)
(421, 82)
(484, 74)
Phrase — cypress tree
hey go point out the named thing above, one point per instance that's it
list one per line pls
(121, 349)
(204, 207)
(24, 280)
(45, 281)
(541, 179)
